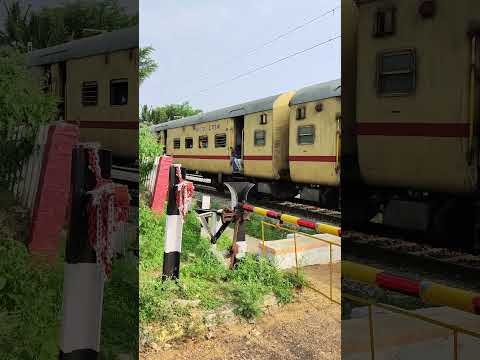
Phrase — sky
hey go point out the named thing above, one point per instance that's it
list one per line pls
(202, 43)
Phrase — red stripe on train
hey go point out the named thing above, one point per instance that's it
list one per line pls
(117, 125)
(419, 129)
(257, 157)
(209, 157)
(323, 158)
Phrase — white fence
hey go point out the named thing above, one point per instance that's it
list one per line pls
(150, 181)
(24, 184)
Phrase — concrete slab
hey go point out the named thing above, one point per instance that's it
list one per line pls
(400, 337)
(309, 251)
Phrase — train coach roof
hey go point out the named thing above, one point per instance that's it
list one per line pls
(309, 93)
(317, 92)
(228, 112)
(108, 42)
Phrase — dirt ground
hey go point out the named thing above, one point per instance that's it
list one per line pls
(308, 328)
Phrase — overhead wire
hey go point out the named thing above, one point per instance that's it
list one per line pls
(254, 70)
(271, 41)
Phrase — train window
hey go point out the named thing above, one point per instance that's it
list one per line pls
(188, 143)
(306, 135)
(301, 113)
(203, 141)
(263, 119)
(220, 140)
(176, 143)
(384, 22)
(89, 93)
(119, 92)
(396, 72)
(259, 138)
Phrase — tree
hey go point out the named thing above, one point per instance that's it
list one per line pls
(166, 113)
(22, 105)
(147, 65)
(51, 26)
(149, 148)
(16, 20)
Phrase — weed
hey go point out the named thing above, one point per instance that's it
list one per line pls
(248, 297)
(120, 308)
(30, 298)
(204, 280)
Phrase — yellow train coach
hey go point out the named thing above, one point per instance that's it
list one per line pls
(286, 144)
(314, 142)
(417, 111)
(96, 82)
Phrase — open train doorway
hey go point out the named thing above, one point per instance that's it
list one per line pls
(237, 151)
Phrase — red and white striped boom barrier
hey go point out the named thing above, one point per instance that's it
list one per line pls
(317, 226)
(429, 292)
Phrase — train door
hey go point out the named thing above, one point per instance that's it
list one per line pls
(238, 148)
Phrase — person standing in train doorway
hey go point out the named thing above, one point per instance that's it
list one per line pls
(236, 161)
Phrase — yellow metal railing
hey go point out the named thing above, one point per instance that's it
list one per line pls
(456, 330)
(295, 234)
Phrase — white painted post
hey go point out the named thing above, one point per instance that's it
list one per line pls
(206, 205)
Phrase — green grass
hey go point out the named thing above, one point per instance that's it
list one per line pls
(31, 295)
(120, 309)
(30, 302)
(253, 227)
(203, 279)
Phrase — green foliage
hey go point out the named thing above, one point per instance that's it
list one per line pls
(22, 104)
(253, 227)
(30, 300)
(151, 230)
(203, 277)
(149, 149)
(120, 309)
(248, 298)
(166, 113)
(147, 65)
(51, 26)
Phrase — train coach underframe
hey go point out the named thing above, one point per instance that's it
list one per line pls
(448, 220)
(324, 196)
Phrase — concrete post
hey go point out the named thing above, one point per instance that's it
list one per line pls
(173, 231)
(83, 277)
(206, 205)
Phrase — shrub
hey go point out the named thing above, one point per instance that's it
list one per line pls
(22, 103)
(149, 149)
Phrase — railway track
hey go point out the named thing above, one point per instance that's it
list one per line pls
(299, 208)
(402, 253)
(412, 258)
